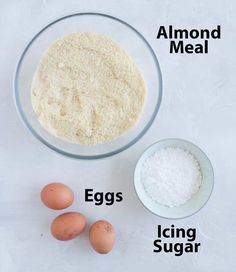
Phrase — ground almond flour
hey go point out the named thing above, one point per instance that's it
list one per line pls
(87, 89)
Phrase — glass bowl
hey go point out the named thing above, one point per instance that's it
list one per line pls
(197, 201)
(130, 39)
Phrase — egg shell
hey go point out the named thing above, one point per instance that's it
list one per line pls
(57, 196)
(102, 236)
(67, 226)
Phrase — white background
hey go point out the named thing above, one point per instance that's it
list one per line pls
(199, 104)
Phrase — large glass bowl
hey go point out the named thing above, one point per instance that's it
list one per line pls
(130, 39)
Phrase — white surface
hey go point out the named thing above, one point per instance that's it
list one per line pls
(199, 104)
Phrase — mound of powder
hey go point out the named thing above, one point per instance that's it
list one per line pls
(87, 89)
(171, 176)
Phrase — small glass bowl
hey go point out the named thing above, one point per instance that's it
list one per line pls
(130, 39)
(198, 200)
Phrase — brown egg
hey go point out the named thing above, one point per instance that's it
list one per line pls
(67, 226)
(57, 196)
(102, 236)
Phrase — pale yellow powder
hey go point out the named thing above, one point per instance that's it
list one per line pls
(87, 89)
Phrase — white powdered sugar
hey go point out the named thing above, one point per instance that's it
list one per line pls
(171, 176)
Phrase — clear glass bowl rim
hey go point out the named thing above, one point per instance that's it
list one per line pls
(41, 139)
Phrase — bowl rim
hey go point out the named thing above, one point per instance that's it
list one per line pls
(49, 145)
(210, 165)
